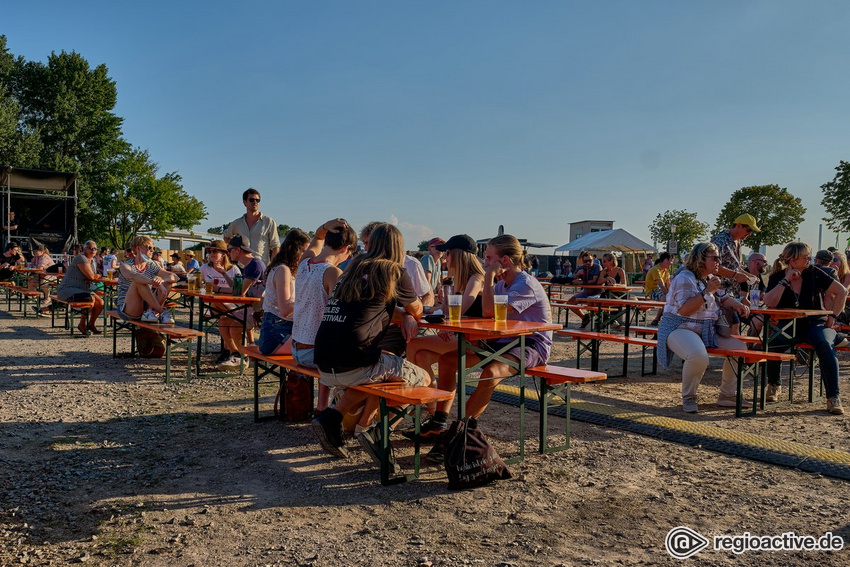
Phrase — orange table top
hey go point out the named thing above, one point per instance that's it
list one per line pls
(216, 297)
(623, 302)
(782, 313)
(490, 327)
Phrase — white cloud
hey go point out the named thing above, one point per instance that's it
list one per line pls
(413, 233)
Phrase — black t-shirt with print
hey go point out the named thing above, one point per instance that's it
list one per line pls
(349, 333)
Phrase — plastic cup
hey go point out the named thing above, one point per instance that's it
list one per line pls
(501, 307)
(455, 305)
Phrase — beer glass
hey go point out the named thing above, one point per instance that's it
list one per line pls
(501, 307)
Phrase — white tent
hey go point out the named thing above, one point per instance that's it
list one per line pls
(616, 239)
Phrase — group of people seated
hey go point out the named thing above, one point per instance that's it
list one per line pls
(715, 285)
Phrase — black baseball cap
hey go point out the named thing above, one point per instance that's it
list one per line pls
(824, 256)
(459, 242)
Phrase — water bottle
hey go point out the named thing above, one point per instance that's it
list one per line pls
(754, 297)
(237, 284)
(448, 289)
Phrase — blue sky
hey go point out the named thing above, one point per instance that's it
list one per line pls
(452, 117)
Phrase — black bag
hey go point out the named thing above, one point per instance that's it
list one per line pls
(297, 399)
(470, 460)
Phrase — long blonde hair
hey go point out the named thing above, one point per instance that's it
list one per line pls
(373, 276)
(507, 245)
(792, 250)
(463, 266)
(843, 268)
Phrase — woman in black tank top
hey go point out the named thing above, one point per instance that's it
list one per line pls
(468, 274)
(612, 274)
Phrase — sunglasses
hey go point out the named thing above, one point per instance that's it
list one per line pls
(253, 200)
(715, 258)
(747, 228)
(148, 247)
(588, 261)
(92, 248)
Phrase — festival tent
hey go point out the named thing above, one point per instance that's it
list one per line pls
(607, 240)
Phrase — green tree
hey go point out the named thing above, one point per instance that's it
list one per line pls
(777, 212)
(135, 200)
(218, 229)
(423, 246)
(836, 199)
(20, 144)
(689, 230)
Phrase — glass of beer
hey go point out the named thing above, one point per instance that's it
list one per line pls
(455, 305)
(208, 287)
(110, 273)
(501, 306)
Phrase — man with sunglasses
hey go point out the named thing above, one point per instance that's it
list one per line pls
(728, 243)
(259, 229)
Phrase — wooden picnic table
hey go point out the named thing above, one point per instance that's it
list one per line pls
(209, 301)
(470, 330)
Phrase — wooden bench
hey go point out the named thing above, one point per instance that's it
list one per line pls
(70, 308)
(397, 401)
(25, 295)
(557, 381)
(179, 338)
(748, 361)
(278, 366)
(589, 341)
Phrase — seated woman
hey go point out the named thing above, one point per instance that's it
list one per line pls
(612, 273)
(465, 268)
(796, 284)
(505, 262)
(220, 273)
(356, 317)
(143, 286)
(317, 275)
(176, 266)
(279, 297)
(688, 325)
(76, 286)
(41, 260)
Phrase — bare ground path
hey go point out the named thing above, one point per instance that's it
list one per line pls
(102, 463)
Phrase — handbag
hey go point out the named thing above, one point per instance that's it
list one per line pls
(470, 459)
(149, 344)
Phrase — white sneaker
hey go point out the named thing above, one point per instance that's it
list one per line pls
(230, 364)
(149, 317)
(165, 318)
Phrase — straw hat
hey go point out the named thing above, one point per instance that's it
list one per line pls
(216, 245)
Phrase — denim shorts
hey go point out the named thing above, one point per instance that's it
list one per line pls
(273, 333)
(304, 356)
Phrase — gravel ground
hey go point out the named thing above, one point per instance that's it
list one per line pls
(102, 463)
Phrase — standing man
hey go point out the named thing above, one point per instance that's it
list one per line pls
(728, 244)
(431, 263)
(260, 230)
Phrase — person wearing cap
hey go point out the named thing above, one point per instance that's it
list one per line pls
(465, 269)
(728, 243)
(219, 269)
(259, 229)
(431, 263)
(253, 271)
(156, 257)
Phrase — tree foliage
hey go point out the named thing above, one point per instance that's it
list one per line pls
(836, 199)
(59, 115)
(423, 246)
(135, 200)
(777, 212)
(689, 230)
(218, 229)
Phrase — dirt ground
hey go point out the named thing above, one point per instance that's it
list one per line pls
(102, 463)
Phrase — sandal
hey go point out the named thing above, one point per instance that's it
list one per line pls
(95, 330)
